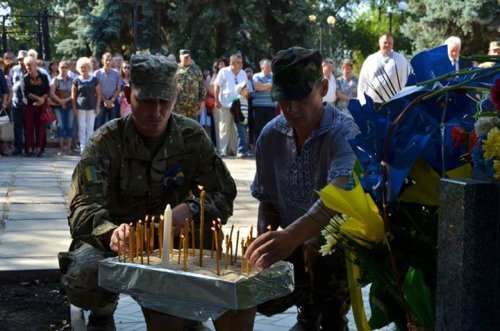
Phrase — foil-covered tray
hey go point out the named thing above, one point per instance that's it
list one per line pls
(193, 295)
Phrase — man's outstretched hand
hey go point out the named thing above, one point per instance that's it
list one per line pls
(269, 248)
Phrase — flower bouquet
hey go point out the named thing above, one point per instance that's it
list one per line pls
(388, 227)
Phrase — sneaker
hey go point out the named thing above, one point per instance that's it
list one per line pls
(240, 155)
(307, 319)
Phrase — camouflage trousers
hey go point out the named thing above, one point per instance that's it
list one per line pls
(80, 277)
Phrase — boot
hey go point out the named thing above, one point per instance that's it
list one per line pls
(307, 319)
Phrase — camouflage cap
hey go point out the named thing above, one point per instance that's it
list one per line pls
(295, 70)
(153, 77)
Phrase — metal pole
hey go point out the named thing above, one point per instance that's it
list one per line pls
(320, 39)
(4, 34)
(46, 35)
(40, 33)
(390, 22)
(135, 27)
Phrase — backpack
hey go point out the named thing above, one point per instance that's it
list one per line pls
(235, 110)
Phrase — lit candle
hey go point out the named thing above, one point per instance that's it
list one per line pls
(167, 226)
(118, 246)
(236, 249)
(131, 242)
(186, 247)
(226, 257)
(217, 247)
(202, 222)
(193, 238)
(160, 237)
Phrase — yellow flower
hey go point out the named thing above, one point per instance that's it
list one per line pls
(496, 165)
(491, 145)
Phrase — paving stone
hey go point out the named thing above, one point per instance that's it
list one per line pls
(29, 263)
(37, 225)
(28, 239)
(50, 199)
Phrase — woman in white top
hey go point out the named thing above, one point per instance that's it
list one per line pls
(86, 95)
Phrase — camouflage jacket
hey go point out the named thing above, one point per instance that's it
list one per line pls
(191, 90)
(118, 181)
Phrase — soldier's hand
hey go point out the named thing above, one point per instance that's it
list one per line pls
(217, 104)
(121, 232)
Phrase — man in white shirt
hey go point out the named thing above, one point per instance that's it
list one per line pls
(383, 73)
(331, 95)
(454, 45)
(225, 92)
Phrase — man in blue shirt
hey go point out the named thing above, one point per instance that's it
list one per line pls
(297, 154)
(264, 107)
(110, 83)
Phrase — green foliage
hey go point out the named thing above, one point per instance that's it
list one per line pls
(368, 27)
(255, 28)
(431, 22)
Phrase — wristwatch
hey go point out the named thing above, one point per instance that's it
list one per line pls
(194, 208)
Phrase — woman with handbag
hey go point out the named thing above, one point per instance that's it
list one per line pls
(60, 96)
(36, 90)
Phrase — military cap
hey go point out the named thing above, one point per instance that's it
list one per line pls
(153, 77)
(183, 52)
(295, 70)
(494, 45)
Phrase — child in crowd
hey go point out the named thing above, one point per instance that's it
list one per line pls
(239, 110)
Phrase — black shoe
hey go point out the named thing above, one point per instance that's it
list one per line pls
(307, 319)
(101, 323)
(39, 154)
(28, 154)
(195, 326)
(17, 152)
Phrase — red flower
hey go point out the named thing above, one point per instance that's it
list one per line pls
(473, 140)
(495, 94)
(458, 135)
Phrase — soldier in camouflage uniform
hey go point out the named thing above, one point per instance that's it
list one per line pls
(191, 88)
(133, 167)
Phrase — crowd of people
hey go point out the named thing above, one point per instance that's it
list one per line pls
(293, 115)
(86, 93)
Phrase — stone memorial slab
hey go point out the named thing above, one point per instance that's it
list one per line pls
(468, 256)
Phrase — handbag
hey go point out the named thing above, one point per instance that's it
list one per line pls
(210, 103)
(47, 115)
(6, 127)
(4, 117)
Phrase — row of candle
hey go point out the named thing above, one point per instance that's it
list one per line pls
(141, 243)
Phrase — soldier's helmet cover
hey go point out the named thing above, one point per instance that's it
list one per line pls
(153, 77)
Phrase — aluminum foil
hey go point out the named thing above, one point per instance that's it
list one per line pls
(193, 296)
